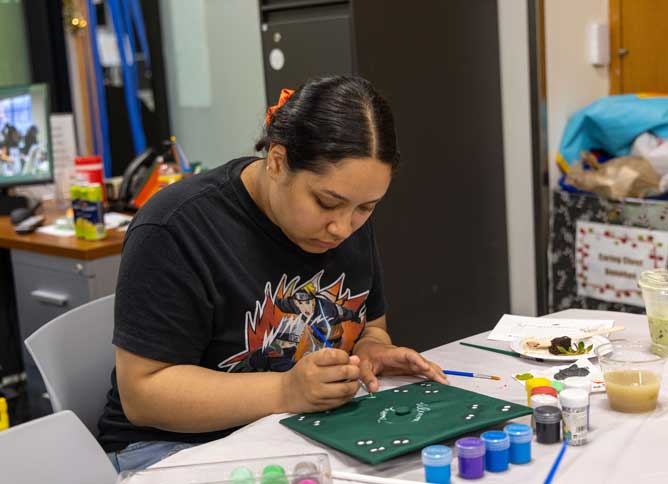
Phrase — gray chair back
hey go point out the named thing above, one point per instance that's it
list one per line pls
(74, 354)
(57, 449)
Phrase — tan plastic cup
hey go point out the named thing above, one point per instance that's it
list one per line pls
(633, 372)
(654, 286)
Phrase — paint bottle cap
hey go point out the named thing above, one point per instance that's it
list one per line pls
(495, 440)
(557, 385)
(436, 455)
(242, 475)
(273, 469)
(547, 414)
(574, 398)
(581, 382)
(544, 391)
(519, 433)
(305, 469)
(470, 447)
(542, 400)
(536, 382)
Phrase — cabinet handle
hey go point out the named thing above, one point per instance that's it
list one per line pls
(49, 297)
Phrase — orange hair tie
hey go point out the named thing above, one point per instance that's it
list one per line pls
(285, 95)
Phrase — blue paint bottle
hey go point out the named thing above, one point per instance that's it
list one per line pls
(497, 450)
(520, 442)
(437, 460)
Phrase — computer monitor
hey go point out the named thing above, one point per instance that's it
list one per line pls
(25, 142)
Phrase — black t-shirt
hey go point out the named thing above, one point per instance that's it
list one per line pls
(207, 279)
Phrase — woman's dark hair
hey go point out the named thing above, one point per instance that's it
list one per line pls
(332, 118)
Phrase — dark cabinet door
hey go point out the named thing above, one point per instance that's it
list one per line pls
(442, 227)
(301, 43)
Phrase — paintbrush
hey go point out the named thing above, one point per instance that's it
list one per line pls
(469, 374)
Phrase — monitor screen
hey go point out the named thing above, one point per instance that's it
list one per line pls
(25, 151)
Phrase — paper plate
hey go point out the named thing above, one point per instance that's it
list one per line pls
(544, 354)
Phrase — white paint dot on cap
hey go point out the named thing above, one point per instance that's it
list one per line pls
(373, 449)
(405, 441)
(381, 448)
(369, 442)
(396, 442)
(360, 442)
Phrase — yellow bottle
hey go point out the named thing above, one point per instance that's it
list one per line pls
(4, 416)
(532, 383)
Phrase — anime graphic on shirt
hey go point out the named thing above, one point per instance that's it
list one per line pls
(295, 319)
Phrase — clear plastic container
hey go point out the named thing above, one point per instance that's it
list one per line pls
(292, 469)
(632, 371)
(654, 286)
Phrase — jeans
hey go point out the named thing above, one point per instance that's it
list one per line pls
(141, 455)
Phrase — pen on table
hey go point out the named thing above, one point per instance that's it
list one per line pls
(469, 374)
(326, 342)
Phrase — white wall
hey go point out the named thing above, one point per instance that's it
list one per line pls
(215, 80)
(572, 82)
(516, 106)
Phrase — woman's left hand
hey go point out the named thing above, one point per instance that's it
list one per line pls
(387, 359)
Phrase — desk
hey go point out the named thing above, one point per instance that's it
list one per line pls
(52, 275)
(623, 448)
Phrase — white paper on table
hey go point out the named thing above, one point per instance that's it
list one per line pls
(511, 327)
(57, 230)
(114, 220)
(595, 373)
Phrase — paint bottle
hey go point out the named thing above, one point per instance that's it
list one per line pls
(532, 383)
(520, 442)
(437, 460)
(242, 475)
(4, 414)
(548, 424)
(581, 383)
(305, 473)
(470, 457)
(557, 385)
(575, 412)
(273, 474)
(497, 450)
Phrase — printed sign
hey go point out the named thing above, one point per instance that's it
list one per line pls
(610, 258)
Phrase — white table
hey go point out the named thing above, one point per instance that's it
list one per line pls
(623, 448)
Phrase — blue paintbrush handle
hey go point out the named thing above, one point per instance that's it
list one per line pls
(458, 373)
(557, 461)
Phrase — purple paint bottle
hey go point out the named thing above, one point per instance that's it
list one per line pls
(471, 457)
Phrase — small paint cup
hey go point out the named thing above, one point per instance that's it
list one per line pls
(497, 450)
(436, 460)
(305, 473)
(557, 385)
(548, 424)
(520, 442)
(532, 383)
(470, 457)
(273, 474)
(242, 475)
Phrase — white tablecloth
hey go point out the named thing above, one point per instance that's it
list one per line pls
(623, 448)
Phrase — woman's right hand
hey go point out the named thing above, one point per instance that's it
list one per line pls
(320, 381)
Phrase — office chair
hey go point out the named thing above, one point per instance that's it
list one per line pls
(74, 354)
(57, 449)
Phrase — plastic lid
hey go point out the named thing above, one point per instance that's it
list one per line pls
(470, 447)
(547, 414)
(536, 382)
(542, 400)
(273, 469)
(543, 391)
(305, 469)
(436, 455)
(581, 382)
(242, 474)
(656, 279)
(574, 397)
(495, 440)
(557, 385)
(519, 433)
